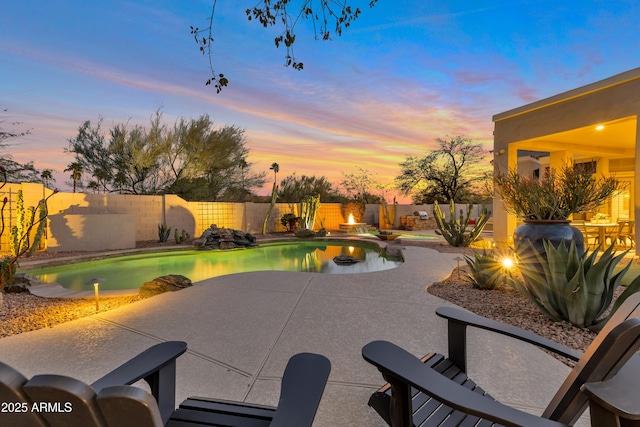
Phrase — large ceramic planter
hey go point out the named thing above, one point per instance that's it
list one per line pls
(536, 231)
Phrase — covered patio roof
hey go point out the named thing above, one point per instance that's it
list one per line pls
(598, 122)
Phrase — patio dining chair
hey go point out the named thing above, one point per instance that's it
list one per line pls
(613, 235)
(436, 390)
(628, 235)
(60, 401)
(591, 236)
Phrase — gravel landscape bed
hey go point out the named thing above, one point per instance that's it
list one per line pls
(508, 306)
(24, 312)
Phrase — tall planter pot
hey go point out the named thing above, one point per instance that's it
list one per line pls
(536, 231)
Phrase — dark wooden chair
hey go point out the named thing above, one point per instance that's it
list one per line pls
(436, 391)
(55, 400)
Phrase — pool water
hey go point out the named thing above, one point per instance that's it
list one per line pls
(130, 272)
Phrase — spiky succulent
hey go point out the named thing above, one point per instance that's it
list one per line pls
(455, 230)
(486, 271)
(573, 287)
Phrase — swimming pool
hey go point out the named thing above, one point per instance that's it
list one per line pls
(130, 272)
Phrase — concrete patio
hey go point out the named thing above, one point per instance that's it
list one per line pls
(241, 329)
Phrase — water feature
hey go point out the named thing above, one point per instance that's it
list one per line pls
(130, 272)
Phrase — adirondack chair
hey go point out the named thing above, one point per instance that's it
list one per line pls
(436, 391)
(59, 401)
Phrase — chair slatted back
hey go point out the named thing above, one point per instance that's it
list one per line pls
(73, 402)
(128, 406)
(67, 402)
(610, 350)
(11, 393)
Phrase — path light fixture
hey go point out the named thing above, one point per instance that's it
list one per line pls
(96, 282)
(508, 263)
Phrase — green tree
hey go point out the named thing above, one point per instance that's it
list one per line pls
(294, 188)
(76, 170)
(329, 18)
(448, 173)
(192, 159)
(102, 178)
(360, 185)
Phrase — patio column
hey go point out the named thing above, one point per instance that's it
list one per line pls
(636, 184)
(557, 159)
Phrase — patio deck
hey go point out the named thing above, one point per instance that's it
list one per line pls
(241, 329)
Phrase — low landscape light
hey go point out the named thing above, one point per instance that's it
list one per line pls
(508, 263)
(458, 259)
(96, 283)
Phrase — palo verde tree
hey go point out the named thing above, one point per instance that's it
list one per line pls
(192, 158)
(329, 18)
(294, 188)
(360, 186)
(448, 173)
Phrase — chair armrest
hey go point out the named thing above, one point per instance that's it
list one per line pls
(458, 320)
(617, 395)
(405, 370)
(303, 383)
(157, 366)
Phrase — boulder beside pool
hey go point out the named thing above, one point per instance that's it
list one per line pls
(169, 283)
(216, 237)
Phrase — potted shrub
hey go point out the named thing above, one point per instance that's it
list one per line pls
(546, 203)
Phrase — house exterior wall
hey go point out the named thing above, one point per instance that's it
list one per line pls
(610, 99)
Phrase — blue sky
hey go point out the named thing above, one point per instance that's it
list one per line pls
(404, 73)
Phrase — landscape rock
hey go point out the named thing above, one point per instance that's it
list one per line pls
(169, 283)
(305, 232)
(216, 237)
(21, 283)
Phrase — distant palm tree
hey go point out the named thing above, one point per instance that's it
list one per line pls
(275, 168)
(274, 194)
(76, 170)
(93, 185)
(47, 176)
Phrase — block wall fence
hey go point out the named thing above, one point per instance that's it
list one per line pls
(79, 221)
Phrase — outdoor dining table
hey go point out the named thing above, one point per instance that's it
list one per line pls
(602, 227)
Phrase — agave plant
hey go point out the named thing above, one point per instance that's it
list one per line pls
(486, 271)
(573, 287)
(163, 232)
(455, 230)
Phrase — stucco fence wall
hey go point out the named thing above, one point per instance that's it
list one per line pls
(79, 221)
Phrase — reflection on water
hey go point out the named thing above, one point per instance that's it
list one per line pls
(131, 271)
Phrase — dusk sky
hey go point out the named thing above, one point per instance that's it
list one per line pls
(405, 73)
